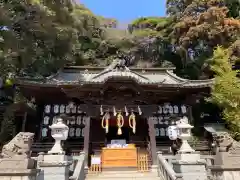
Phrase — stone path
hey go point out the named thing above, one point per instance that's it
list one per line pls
(126, 175)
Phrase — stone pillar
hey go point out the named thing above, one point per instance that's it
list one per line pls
(152, 135)
(188, 161)
(227, 159)
(226, 166)
(53, 167)
(190, 166)
(86, 139)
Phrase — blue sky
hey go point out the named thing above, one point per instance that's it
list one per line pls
(126, 10)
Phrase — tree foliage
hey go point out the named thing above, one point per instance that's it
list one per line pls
(39, 37)
(226, 89)
(199, 28)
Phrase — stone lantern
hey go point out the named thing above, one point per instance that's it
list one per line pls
(184, 133)
(59, 132)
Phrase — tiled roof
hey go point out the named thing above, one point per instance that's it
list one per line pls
(90, 75)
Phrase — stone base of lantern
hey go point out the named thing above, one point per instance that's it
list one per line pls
(190, 166)
(54, 167)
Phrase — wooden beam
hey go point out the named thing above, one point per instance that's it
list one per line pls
(86, 139)
(24, 122)
(152, 135)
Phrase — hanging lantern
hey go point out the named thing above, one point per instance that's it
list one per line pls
(105, 122)
(120, 123)
(132, 122)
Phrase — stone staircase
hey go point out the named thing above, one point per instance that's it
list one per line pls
(126, 175)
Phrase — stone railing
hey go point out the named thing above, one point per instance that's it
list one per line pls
(165, 170)
(209, 161)
(73, 149)
(79, 171)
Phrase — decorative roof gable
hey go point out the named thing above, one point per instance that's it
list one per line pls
(118, 71)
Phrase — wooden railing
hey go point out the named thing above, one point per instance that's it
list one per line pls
(143, 162)
(95, 168)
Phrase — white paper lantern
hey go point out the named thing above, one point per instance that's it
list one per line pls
(184, 109)
(56, 108)
(62, 108)
(172, 132)
(157, 131)
(72, 132)
(46, 120)
(79, 120)
(47, 109)
(78, 132)
(68, 109)
(162, 132)
(159, 109)
(170, 109)
(175, 109)
(160, 119)
(44, 132)
(165, 109)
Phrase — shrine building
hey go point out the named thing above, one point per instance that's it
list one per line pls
(129, 107)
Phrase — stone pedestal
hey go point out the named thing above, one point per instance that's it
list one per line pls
(18, 168)
(54, 167)
(190, 166)
(226, 166)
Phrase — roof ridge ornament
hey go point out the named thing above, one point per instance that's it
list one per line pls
(118, 64)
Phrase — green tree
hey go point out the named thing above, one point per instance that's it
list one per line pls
(226, 89)
(202, 26)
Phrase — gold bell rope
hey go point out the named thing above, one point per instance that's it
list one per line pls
(105, 120)
(132, 122)
(120, 122)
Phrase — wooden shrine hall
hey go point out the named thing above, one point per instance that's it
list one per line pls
(113, 112)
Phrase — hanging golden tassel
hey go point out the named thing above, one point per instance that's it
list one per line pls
(120, 122)
(105, 120)
(132, 122)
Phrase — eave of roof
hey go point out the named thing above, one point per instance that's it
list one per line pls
(84, 75)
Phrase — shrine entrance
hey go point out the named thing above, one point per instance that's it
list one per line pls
(123, 140)
(112, 134)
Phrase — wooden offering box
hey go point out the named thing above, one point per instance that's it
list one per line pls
(119, 157)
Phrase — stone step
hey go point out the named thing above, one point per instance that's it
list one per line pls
(123, 174)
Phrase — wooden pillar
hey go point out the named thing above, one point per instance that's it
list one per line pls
(86, 139)
(24, 122)
(152, 135)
